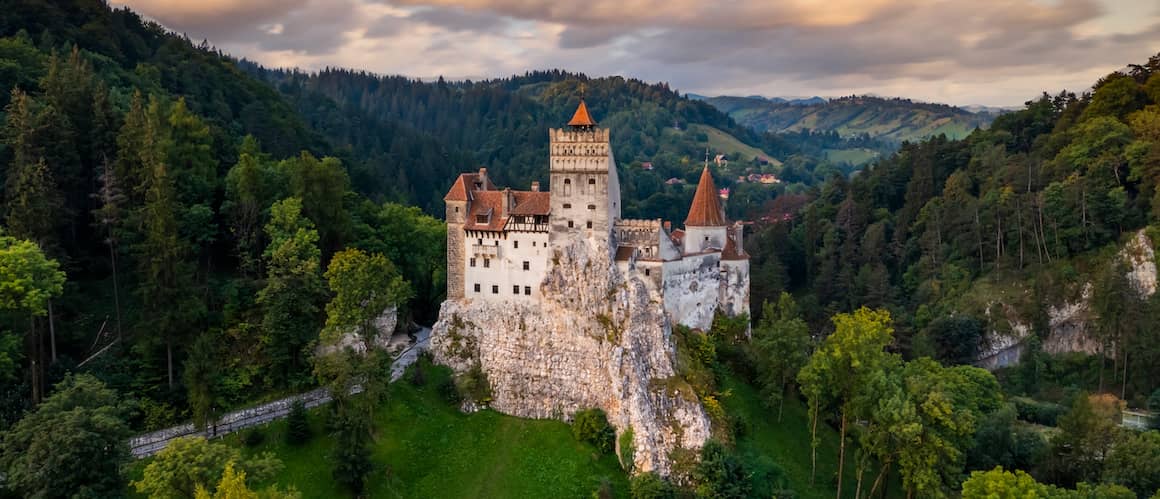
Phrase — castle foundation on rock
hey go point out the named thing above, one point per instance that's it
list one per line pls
(565, 305)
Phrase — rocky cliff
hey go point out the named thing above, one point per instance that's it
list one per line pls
(1068, 322)
(597, 339)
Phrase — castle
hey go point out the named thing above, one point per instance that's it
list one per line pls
(501, 242)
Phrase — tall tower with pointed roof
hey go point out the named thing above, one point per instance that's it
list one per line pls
(706, 226)
(584, 184)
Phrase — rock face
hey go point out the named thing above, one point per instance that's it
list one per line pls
(596, 339)
(1069, 322)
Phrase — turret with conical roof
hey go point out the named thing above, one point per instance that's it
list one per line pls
(706, 226)
(581, 118)
(706, 208)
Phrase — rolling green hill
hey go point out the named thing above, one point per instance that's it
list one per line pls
(896, 120)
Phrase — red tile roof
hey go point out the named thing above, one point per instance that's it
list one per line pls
(581, 117)
(490, 205)
(624, 253)
(463, 186)
(706, 209)
(678, 237)
(531, 203)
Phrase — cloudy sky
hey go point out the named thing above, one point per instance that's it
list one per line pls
(992, 52)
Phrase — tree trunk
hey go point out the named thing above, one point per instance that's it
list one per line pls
(52, 331)
(1124, 380)
(34, 360)
(841, 454)
(878, 479)
(814, 446)
(169, 360)
(1103, 363)
(1019, 226)
(116, 293)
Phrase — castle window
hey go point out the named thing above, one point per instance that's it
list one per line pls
(527, 290)
(567, 206)
(456, 209)
(591, 207)
(516, 244)
(481, 219)
(472, 262)
(569, 224)
(515, 290)
(567, 181)
(487, 263)
(647, 272)
(591, 181)
(589, 224)
(479, 242)
(495, 291)
(477, 287)
(527, 265)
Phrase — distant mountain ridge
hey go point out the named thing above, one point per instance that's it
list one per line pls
(892, 119)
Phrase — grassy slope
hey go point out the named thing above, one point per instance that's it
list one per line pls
(427, 448)
(724, 143)
(880, 118)
(788, 444)
(857, 156)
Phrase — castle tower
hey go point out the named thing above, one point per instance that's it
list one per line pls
(705, 227)
(584, 184)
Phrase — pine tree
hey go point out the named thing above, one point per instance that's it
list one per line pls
(293, 290)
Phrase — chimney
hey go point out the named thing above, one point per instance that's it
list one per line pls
(483, 179)
(506, 203)
(535, 186)
(668, 226)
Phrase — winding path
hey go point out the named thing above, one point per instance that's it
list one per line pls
(150, 443)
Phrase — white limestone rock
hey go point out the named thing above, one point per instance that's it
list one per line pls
(596, 339)
(1141, 260)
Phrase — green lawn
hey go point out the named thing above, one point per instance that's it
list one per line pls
(427, 448)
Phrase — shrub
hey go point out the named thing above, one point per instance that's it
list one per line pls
(449, 392)
(627, 450)
(721, 473)
(473, 385)
(1033, 411)
(254, 437)
(592, 426)
(650, 486)
(604, 490)
(297, 426)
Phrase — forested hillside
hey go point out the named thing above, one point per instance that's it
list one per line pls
(169, 209)
(503, 124)
(894, 120)
(961, 239)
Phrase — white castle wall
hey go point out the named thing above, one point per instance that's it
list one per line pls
(691, 289)
(504, 255)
